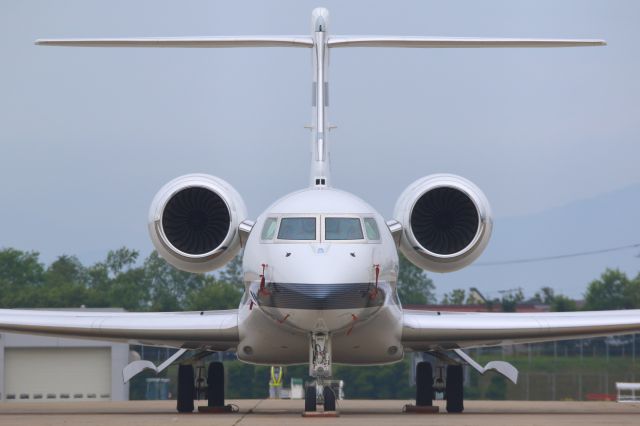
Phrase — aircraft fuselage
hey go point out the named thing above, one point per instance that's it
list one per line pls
(320, 261)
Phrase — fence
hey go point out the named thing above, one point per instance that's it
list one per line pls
(583, 369)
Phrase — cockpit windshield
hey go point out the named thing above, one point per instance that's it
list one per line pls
(269, 228)
(371, 228)
(343, 228)
(319, 228)
(297, 228)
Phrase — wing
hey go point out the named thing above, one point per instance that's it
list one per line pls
(441, 42)
(215, 330)
(430, 330)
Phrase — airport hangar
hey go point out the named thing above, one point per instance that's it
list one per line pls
(42, 368)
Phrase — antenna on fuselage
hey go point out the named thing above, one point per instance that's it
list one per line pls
(321, 43)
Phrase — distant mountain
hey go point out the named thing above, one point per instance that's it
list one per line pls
(608, 220)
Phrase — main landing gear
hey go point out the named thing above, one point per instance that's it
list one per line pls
(453, 388)
(186, 388)
(215, 389)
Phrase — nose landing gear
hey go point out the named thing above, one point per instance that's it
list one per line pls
(320, 368)
(311, 398)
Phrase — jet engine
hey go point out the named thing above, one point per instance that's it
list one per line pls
(193, 222)
(446, 222)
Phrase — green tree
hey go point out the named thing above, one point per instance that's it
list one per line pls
(511, 299)
(562, 303)
(455, 297)
(613, 290)
(169, 287)
(214, 295)
(414, 286)
(377, 382)
(545, 296)
(118, 282)
(557, 303)
(232, 272)
(128, 290)
(64, 284)
(21, 278)
(497, 389)
(127, 287)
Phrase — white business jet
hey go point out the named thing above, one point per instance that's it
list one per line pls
(320, 264)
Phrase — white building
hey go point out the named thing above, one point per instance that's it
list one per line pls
(35, 368)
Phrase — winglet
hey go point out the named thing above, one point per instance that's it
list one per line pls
(136, 367)
(502, 367)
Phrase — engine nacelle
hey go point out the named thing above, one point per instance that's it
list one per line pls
(446, 222)
(193, 222)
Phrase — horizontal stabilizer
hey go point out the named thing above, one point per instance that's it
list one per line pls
(460, 42)
(203, 42)
(306, 41)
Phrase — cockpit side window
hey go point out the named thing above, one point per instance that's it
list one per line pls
(342, 228)
(297, 228)
(269, 228)
(371, 228)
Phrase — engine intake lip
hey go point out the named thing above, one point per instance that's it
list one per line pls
(195, 222)
(464, 229)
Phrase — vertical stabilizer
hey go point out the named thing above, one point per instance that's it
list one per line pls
(320, 101)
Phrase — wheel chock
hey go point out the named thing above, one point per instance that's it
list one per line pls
(225, 409)
(421, 409)
(320, 414)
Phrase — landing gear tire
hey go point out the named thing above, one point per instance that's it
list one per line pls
(310, 398)
(215, 383)
(329, 399)
(186, 388)
(454, 389)
(424, 384)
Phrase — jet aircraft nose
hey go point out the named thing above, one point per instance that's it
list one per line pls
(322, 286)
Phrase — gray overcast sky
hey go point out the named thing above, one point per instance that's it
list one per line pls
(87, 136)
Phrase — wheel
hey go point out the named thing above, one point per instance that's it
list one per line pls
(310, 398)
(186, 388)
(329, 397)
(215, 383)
(424, 384)
(454, 390)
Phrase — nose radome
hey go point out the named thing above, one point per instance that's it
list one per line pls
(325, 264)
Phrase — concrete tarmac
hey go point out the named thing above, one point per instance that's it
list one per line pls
(352, 412)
